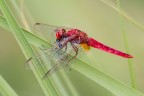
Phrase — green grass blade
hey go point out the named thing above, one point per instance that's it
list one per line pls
(123, 13)
(46, 85)
(5, 88)
(115, 86)
(131, 67)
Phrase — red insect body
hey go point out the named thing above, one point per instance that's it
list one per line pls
(82, 38)
(93, 43)
(65, 35)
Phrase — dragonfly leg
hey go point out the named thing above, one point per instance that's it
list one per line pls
(76, 51)
(65, 48)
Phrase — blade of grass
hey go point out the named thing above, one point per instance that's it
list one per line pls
(5, 88)
(123, 13)
(115, 86)
(46, 85)
(131, 67)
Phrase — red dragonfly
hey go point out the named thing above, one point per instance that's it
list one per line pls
(64, 35)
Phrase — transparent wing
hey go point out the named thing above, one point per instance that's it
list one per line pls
(55, 57)
(47, 32)
(59, 58)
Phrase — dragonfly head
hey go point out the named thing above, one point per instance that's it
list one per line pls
(60, 34)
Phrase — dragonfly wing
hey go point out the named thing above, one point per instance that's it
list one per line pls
(47, 32)
(93, 43)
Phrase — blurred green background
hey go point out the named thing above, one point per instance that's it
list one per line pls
(94, 17)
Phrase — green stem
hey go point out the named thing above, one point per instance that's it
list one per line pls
(131, 67)
(123, 13)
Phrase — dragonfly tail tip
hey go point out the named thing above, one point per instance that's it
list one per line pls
(129, 56)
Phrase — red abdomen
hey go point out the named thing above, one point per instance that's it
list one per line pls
(93, 43)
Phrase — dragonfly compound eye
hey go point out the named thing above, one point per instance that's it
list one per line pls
(58, 35)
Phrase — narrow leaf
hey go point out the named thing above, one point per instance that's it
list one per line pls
(5, 88)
